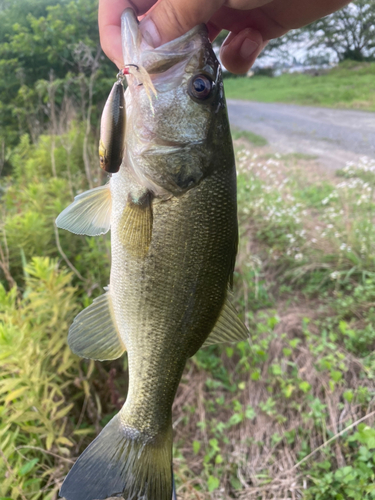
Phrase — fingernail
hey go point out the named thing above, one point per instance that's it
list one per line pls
(150, 32)
(248, 48)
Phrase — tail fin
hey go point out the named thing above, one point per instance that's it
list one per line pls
(118, 463)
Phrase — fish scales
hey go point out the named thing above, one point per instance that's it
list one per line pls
(171, 208)
(168, 299)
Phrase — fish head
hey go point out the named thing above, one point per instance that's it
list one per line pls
(173, 137)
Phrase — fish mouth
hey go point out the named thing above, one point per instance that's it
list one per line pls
(138, 50)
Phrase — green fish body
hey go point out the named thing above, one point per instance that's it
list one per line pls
(172, 213)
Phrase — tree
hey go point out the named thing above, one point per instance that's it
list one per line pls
(39, 38)
(350, 32)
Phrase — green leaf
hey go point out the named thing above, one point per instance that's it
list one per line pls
(273, 321)
(236, 483)
(304, 386)
(229, 351)
(15, 394)
(235, 419)
(63, 412)
(214, 444)
(348, 395)
(196, 447)
(250, 412)
(26, 468)
(343, 326)
(288, 390)
(213, 483)
(294, 342)
(336, 375)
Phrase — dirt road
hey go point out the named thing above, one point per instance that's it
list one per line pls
(334, 136)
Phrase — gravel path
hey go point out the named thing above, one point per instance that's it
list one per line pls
(335, 136)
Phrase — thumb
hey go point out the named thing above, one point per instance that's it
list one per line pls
(239, 50)
(170, 19)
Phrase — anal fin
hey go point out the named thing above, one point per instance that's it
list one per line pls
(94, 333)
(228, 327)
(89, 213)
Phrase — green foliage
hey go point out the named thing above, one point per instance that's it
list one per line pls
(35, 198)
(356, 480)
(48, 53)
(37, 376)
(347, 86)
(32, 162)
(313, 195)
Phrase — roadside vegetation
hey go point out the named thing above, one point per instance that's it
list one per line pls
(289, 414)
(350, 85)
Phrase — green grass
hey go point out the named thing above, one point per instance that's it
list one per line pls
(298, 156)
(350, 85)
(254, 139)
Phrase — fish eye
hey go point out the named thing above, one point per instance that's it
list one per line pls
(200, 87)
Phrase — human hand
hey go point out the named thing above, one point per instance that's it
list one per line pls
(251, 23)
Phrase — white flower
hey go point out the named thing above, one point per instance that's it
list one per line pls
(344, 247)
(298, 256)
(334, 275)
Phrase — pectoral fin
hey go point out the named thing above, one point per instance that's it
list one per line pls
(136, 225)
(94, 333)
(89, 213)
(228, 327)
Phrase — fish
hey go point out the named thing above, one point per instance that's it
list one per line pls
(172, 212)
(112, 130)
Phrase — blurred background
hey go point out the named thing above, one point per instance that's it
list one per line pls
(288, 415)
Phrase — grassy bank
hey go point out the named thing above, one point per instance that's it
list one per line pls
(289, 414)
(350, 85)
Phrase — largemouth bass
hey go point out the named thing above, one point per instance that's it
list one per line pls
(172, 213)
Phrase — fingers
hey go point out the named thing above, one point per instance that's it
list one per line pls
(170, 19)
(109, 20)
(239, 51)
